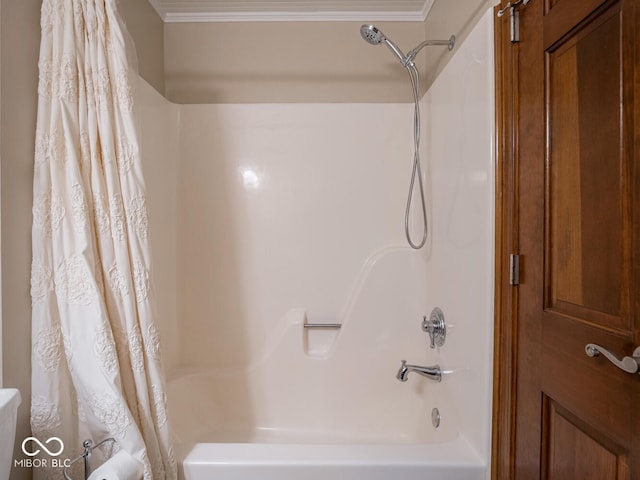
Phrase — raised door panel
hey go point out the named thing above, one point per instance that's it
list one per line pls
(577, 452)
(585, 257)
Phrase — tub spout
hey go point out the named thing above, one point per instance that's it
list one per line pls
(434, 373)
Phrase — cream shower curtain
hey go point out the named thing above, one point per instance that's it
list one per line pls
(96, 369)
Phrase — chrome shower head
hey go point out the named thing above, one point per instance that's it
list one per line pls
(375, 37)
(372, 35)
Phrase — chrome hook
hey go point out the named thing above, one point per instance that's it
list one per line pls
(509, 5)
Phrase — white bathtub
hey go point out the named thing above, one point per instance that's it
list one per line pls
(222, 434)
(238, 433)
(326, 404)
(454, 460)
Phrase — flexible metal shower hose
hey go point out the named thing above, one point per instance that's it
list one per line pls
(417, 170)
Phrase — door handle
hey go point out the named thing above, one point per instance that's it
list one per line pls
(628, 364)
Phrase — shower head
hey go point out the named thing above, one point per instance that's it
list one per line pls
(371, 34)
(375, 37)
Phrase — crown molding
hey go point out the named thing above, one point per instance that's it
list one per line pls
(426, 9)
(172, 16)
(159, 10)
(179, 17)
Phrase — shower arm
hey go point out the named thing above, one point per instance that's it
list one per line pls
(429, 43)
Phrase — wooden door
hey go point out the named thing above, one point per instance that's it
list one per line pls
(571, 125)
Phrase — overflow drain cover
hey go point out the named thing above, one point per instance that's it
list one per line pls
(435, 417)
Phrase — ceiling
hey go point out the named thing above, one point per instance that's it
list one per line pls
(291, 10)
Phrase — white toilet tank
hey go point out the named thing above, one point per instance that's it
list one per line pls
(9, 402)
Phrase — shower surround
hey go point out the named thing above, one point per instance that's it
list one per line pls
(267, 216)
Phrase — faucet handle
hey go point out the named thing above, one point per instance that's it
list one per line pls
(435, 327)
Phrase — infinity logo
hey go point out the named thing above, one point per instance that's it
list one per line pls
(35, 440)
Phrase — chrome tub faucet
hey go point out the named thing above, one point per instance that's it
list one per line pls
(433, 373)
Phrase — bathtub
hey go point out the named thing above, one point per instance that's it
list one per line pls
(325, 403)
(227, 429)
(453, 460)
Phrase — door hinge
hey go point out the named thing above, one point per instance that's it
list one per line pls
(514, 269)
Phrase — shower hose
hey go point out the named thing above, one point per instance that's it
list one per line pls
(417, 170)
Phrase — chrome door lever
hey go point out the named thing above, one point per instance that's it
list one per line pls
(628, 364)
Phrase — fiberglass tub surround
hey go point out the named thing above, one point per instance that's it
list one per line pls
(328, 385)
(327, 402)
(293, 213)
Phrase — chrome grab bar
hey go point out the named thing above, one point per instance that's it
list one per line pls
(628, 364)
(322, 325)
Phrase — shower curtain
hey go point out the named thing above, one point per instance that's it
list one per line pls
(96, 369)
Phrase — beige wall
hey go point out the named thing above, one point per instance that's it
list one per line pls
(147, 30)
(284, 62)
(307, 62)
(20, 30)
